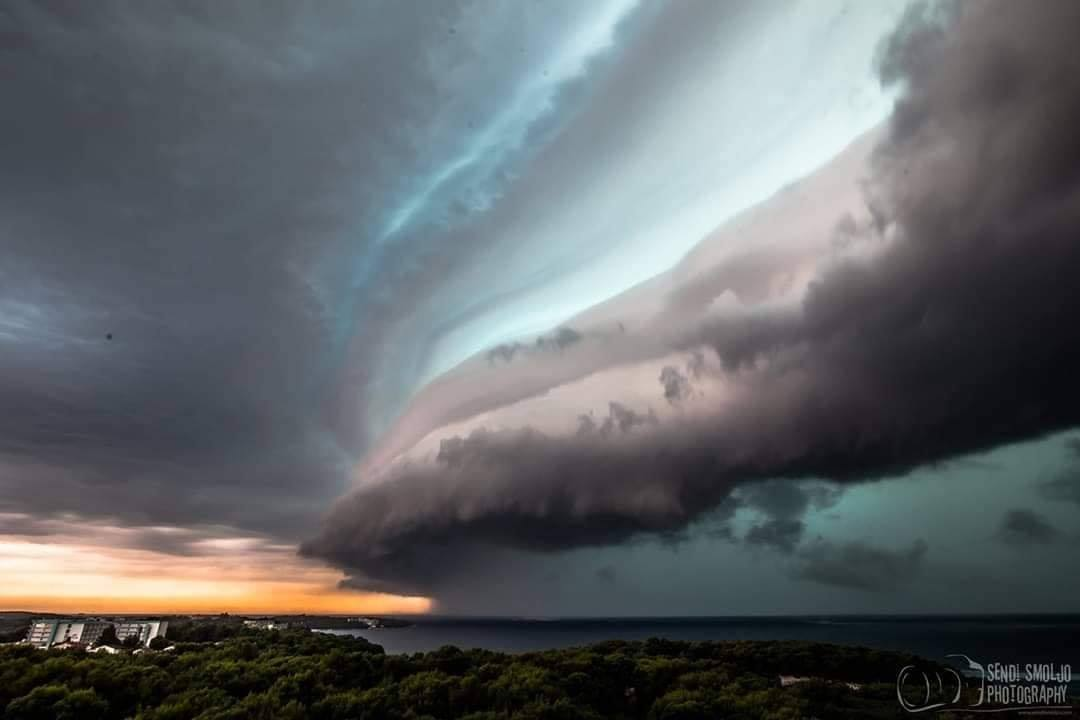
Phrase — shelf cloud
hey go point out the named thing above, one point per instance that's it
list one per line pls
(939, 331)
(438, 295)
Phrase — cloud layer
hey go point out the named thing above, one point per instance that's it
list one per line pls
(214, 219)
(937, 331)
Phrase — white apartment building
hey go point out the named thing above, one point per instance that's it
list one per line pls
(145, 630)
(46, 633)
(49, 633)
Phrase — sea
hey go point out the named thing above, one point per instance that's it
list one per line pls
(1006, 639)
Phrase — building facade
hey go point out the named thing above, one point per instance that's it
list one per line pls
(47, 633)
(42, 633)
(145, 630)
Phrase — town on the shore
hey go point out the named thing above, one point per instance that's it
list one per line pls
(113, 634)
(97, 634)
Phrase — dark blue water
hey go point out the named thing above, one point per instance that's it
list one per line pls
(988, 639)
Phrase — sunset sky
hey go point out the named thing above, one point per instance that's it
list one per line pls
(539, 308)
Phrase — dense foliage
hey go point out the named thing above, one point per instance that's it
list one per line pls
(14, 632)
(194, 631)
(300, 674)
(14, 625)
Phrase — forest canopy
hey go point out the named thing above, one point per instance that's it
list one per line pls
(301, 674)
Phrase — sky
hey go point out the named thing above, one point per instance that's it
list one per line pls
(477, 307)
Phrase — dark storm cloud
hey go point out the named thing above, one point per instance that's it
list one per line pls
(954, 337)
(524, 490)
(619, 418)
(195, 200)
(676, 385)
(169, 183)
(625, 419)
(783, 503)
(1026, 527)
(518, 489)
(859, 566)
(781, 535)
(784, 499)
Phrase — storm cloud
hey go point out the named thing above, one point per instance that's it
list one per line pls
(1026, 527)
(210, 225)
(943, 333)
(463, 291)
(782, 505)
(859, 566)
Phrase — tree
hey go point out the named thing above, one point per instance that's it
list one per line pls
(159, 643)
(294, 674)
(15, 633)
(81, 705)
(38, 704)
(132, 641)
(108, 636)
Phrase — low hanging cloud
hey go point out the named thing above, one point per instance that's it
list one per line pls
(950, 335)
(782, 505)
(1022, 528)
(860, 566)
(779, 534)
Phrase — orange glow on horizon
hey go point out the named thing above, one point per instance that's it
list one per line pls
(93, 569)
(296, 603)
